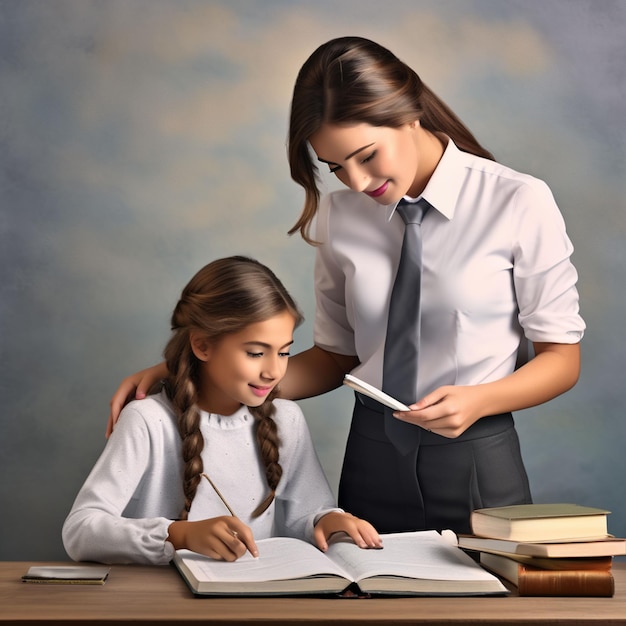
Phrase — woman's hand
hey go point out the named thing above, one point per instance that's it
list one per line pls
(223, 538)
(361, 532)
(135, 386)
(450, 410)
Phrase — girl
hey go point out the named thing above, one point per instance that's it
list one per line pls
(213, 439)
(496, 275)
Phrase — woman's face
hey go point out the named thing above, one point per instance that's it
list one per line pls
(383, 162)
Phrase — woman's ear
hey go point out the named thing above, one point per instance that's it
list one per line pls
(200, 346)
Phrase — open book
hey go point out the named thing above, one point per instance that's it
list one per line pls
(419, 563)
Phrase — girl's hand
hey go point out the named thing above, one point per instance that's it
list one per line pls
(362, 532)
(135, 386)
(223, 538)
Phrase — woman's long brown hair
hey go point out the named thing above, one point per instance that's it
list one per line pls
(353, 80)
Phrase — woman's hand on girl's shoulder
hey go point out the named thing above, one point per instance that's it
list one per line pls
(361, 532)
(135, 386)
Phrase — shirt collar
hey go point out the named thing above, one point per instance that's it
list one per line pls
(444, 186)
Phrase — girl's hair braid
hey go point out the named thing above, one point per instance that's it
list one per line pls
(182, 389)
(268, 441)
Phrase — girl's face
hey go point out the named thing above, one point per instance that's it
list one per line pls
(383, 162)
(243, 367)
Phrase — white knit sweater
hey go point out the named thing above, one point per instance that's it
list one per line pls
(123, 511)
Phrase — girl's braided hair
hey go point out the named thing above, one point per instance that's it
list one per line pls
(224, 297)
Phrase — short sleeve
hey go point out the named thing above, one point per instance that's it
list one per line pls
(545, 278)
(332, 329)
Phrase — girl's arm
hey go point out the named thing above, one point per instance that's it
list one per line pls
(451, 410)
(96, 528)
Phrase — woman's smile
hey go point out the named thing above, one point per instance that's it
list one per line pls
(380, 191)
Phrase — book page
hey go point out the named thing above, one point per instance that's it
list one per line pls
(280, 558)
(422, 555)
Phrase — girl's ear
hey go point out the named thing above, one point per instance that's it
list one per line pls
(200, 346)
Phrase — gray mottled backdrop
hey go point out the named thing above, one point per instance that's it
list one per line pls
(140, 139)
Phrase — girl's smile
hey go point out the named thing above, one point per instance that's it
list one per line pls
(259, 391)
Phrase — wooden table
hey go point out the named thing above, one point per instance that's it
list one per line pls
(157, 595)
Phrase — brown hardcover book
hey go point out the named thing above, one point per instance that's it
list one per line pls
(537, 581)
(540, 522)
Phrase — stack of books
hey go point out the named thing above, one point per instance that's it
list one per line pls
(547, 549)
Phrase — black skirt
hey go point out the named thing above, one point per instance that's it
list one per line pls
(439, 483)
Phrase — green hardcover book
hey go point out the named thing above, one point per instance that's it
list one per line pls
(540, 522)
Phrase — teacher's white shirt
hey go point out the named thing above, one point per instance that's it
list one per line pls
(497, 272)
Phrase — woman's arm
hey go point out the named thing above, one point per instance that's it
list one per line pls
(310, 373)
(314, 372)
(135, 386)
(451, 410)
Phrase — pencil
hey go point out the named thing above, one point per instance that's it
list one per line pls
(217, 491)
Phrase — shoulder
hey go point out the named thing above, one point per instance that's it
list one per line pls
(529, 199)
(150, 414)
(506, 176)
(290, 420)
(523, 197)
(293, 430)
(287, 411)
(466, 181)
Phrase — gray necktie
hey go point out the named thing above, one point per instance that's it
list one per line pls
(403, 327)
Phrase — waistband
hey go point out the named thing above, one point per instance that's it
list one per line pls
(369, 421)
